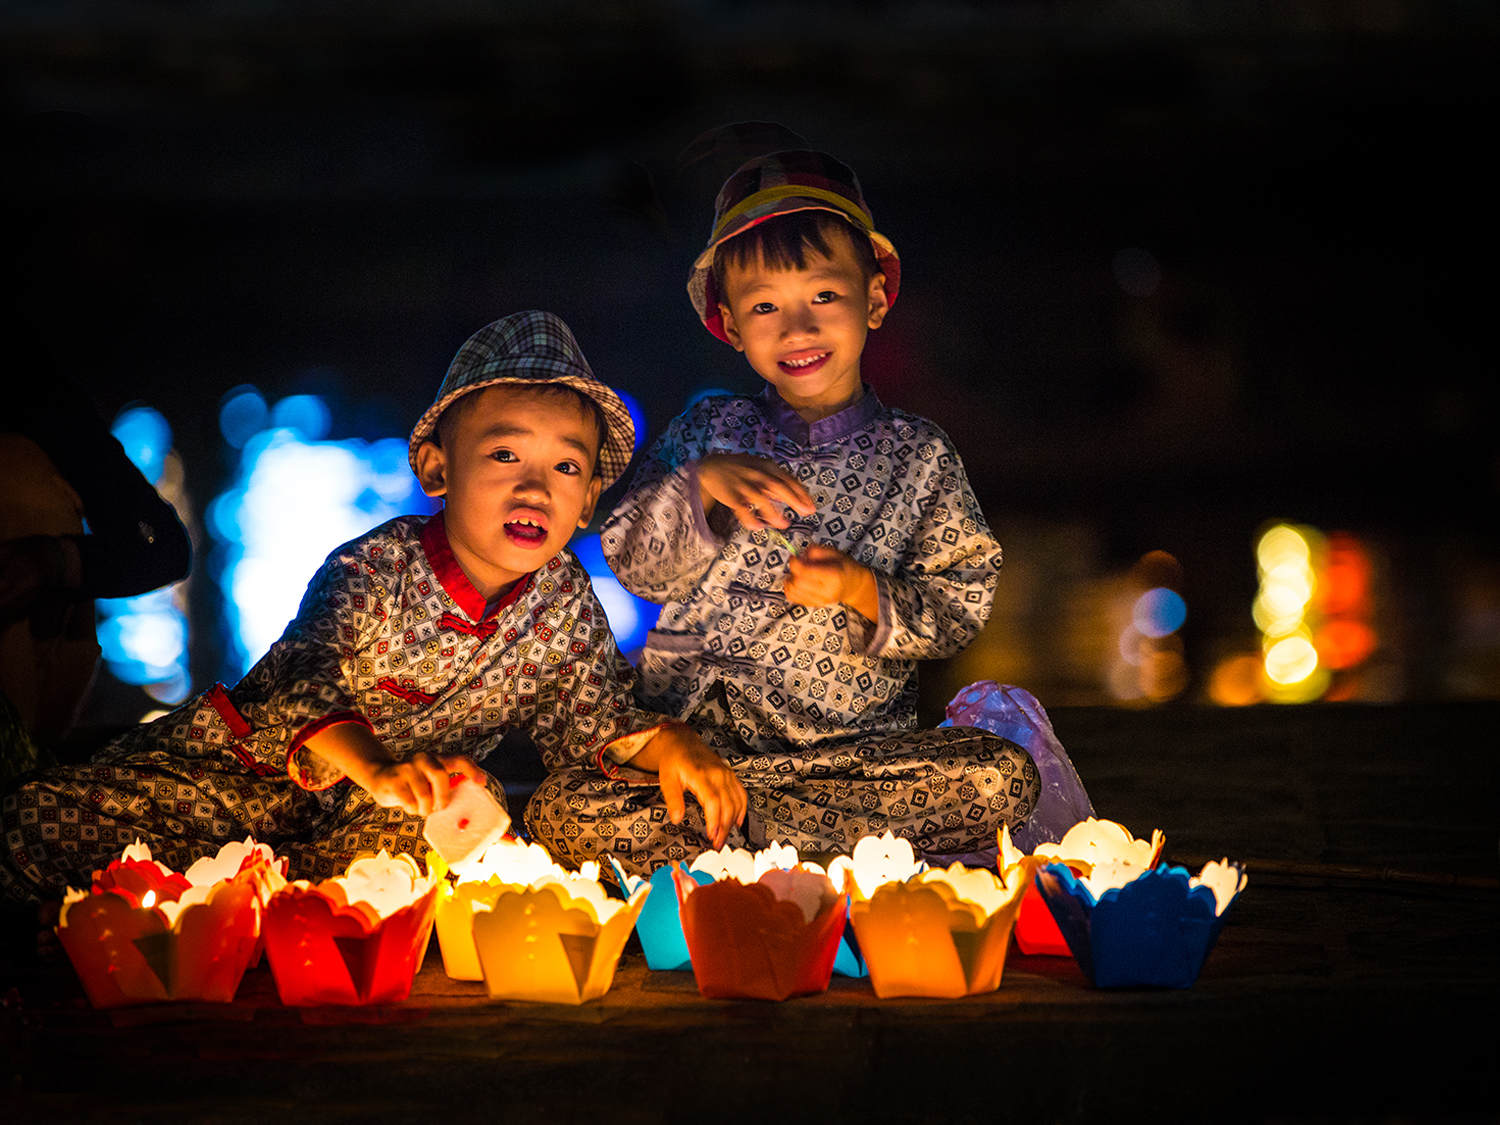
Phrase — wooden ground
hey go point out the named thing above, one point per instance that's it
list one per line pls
(1325, 1000)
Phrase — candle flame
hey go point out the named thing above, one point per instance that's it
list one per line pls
(148, 900)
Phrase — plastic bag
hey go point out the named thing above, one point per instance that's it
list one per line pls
(1014, 713)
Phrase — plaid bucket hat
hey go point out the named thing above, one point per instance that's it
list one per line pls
(777, 184)
(530, 347)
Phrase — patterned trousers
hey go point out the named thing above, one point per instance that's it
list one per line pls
(947, 790)
(62, 824)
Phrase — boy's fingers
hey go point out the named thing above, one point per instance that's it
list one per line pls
(671, 791)
(430, 783)
(709, 800)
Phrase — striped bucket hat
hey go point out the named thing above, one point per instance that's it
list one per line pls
(776, 185)
(530, 347)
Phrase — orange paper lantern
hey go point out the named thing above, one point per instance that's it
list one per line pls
(146, 934)
(767, 940)
(544, 944)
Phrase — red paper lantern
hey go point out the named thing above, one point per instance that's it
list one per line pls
(324, 950)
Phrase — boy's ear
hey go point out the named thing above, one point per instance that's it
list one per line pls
(596, 486)
(432, 469)
(733, 332)
(879, 303)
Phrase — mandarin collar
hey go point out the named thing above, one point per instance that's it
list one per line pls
(455, 583)
(825, 430)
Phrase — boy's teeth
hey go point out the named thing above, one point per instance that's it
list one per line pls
(804, 362)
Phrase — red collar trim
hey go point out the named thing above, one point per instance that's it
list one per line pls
(455, 582)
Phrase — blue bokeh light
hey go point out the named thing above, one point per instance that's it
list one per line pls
(307, 414)
(146, 438)
(295, 501)
(243, 414)
(1159, 612)
(637, 416)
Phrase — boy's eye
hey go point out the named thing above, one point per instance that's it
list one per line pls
(503, 455)
(825, 297)
(568, 468)
(763, 307)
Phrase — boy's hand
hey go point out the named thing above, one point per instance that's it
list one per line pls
(683, 764)
(753, 488)
(420, 785)
(821, 575)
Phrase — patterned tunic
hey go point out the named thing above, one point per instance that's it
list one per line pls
(814, 708)
(890, 492)
(390, 634)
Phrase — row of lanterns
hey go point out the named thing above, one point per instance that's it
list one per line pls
(765, 925)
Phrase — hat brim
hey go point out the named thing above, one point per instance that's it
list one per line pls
(614, 452)
(704, 290)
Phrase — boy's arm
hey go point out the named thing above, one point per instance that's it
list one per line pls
(421, 785)
(302, 685)
(658, 541)
(684, 764)
(594, 721)
(940, 596)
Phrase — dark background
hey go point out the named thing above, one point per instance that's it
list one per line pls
(330, 198)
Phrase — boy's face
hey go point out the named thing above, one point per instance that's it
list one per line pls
(516, 473)
(803, 330)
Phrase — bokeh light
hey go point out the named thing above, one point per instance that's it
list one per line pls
(295, 500)
(1159, 612)
(1149, 664)
(1313, 610)
(146, 438)
(308, 415)
(144, 639)
(243, 413)
(637, 416)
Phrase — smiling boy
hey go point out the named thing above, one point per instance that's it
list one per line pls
(416, 648)
(808, 546)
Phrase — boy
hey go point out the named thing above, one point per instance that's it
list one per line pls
(416, 647)
(809, 546)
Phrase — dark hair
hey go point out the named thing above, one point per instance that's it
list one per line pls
(460, 407)
(782, 242)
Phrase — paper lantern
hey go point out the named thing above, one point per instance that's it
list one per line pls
(467, 825)
(876, 860)
(1087, 843)
(941, 933)
(246, 858)
(1141, 928)
(767, 940)
(531, 929)
(145, 933)
(509, 864)
(548, 943)
(355, 939)
(660, 924)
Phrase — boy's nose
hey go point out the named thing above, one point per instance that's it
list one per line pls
(800, 322)
(532, 481)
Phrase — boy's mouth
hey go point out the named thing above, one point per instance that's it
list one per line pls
(526, 531)
(803, 364)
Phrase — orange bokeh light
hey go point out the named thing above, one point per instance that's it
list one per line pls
(1343, 643)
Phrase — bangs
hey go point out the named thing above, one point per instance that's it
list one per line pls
(782, 243)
